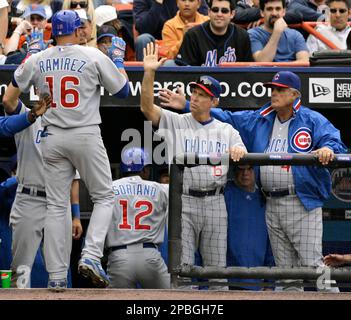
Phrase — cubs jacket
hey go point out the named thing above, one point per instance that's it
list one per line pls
(312, 184)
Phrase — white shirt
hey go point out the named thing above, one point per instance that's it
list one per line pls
(3, 4)
(337, 37)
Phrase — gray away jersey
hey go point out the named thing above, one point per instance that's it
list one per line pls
(277, 177)
(30, 171)
(184, 134)
(139, 213)
(74, 75)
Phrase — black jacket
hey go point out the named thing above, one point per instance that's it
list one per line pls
(201, 47)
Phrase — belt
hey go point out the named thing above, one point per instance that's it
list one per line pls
(277, 193)
(145, 245)
(38, 193)
(201, 194)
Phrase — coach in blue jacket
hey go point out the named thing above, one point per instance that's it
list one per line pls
(295, 194)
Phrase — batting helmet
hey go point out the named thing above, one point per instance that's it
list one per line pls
(64, 22)
(133, 160)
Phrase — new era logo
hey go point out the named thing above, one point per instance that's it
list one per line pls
(319, 90)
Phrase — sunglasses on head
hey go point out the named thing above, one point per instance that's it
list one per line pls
(82, 4)
(223, 10)
(336, 10)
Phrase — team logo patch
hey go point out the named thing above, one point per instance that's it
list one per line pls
(276, 77)
(301, 140)
(117, 52)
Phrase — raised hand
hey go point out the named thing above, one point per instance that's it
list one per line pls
(43, 104)
(151, 62)
(36, 41)
(170, 99)
(24, 28)
(117, 50)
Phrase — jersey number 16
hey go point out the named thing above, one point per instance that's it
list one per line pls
(64, 91)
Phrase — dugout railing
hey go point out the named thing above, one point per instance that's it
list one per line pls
(182, 274)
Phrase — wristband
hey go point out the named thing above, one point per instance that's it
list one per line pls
(75, 208)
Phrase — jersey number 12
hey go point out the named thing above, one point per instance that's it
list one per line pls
(141, 204)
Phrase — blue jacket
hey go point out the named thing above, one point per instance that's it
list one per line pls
(9, 126)
(306, 8)
(248, 241)
(312, 184)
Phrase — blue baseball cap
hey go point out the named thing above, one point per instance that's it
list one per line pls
(106, 31)
(35, 9)
(209, 85)
(285, 79)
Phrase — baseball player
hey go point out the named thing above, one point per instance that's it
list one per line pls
(204, 216)
(137, 227)
(28, 211)
(72, 138)
(295, 194)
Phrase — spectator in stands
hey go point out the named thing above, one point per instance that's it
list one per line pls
(88, 6)
(248, 241)
(34, 23)
(86, 28)
(108, 15)
(248, 12)
(217, 40)
(311, 10)
(338, 30)
(274, 41)
(150, 16)
(174, 29)
(104, 37)
(3, 28)
(50, 6)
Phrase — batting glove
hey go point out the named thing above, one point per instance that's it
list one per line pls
(36, 42)
(116, 51)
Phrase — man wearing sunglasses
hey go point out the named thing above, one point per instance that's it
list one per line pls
(31, 34)
(274, 41)
(79, 5)
(217, 40)
(204, 215)
(337, 31)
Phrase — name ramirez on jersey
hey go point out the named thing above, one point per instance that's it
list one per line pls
(61, 64)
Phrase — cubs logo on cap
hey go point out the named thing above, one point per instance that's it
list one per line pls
(285, 79)
(301, 140)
